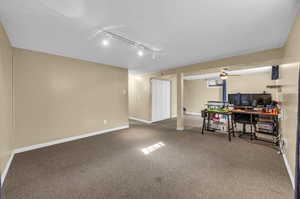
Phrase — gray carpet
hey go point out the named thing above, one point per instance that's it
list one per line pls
(112, 166)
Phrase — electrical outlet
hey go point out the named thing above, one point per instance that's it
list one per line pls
(124, 91)
(104, 121)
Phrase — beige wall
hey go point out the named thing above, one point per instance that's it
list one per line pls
(140, 102)
(251, 83)
(196, 95)
(6, 122)
(58, 97)
(289, 94)
(289, 99)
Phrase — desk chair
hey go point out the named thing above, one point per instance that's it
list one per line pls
(245, 120)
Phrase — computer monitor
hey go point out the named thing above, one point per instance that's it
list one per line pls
(250, 99)
(234, 99)
(263, 99)
(246, 100)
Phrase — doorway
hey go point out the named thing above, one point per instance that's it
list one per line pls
(161, 99)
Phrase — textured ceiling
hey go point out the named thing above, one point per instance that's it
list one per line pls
(187, 32)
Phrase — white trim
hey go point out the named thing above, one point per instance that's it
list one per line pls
(140, 120)
(59, 141)
(175, 115)
(287, 165)
(193, 113)
(232, 72)
(7, 167)
(179, 129)
(160, 120)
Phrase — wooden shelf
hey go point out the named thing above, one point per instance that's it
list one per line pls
(274, 86)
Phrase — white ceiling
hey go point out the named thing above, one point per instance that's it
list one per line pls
(187, 31)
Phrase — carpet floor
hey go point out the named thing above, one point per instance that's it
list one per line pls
(183, 165)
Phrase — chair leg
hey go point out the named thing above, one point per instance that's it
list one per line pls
(251, 131)
(254, 133)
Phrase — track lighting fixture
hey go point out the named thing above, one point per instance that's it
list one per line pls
(141, 47)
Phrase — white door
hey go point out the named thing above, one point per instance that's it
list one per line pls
(161, 99)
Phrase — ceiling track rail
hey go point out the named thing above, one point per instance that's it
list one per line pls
(130, 42)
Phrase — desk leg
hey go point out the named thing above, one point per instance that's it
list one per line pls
(203, 125)
(208, 121)
(251, 122)
(276, 130)
(228, 128)
(232, 126)
(255, 137)
(251, 129)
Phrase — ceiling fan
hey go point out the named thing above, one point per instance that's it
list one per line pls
(225, 73)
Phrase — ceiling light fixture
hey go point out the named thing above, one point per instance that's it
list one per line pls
(223, 77)
(141, 47)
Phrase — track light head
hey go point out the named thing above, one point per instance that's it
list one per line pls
(105, 42)
(140, 53)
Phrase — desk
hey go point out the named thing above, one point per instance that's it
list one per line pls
(273, 116)
(251, 112)
(228, 116)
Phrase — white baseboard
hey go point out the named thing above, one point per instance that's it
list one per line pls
(192, 113)
(140, 120)
(7, 167)
(173, 116)
(287, 165)
(179, 129)
(59, 141)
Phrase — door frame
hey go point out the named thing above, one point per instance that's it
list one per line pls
(297, 170)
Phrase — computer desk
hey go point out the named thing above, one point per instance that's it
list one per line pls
(251, 112)
(273, 115)
(228, 116)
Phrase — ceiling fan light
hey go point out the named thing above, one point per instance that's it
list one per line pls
(223, 77)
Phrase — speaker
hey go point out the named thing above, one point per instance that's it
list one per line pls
(275, 72)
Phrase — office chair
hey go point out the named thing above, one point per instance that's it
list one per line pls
(245, 120)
